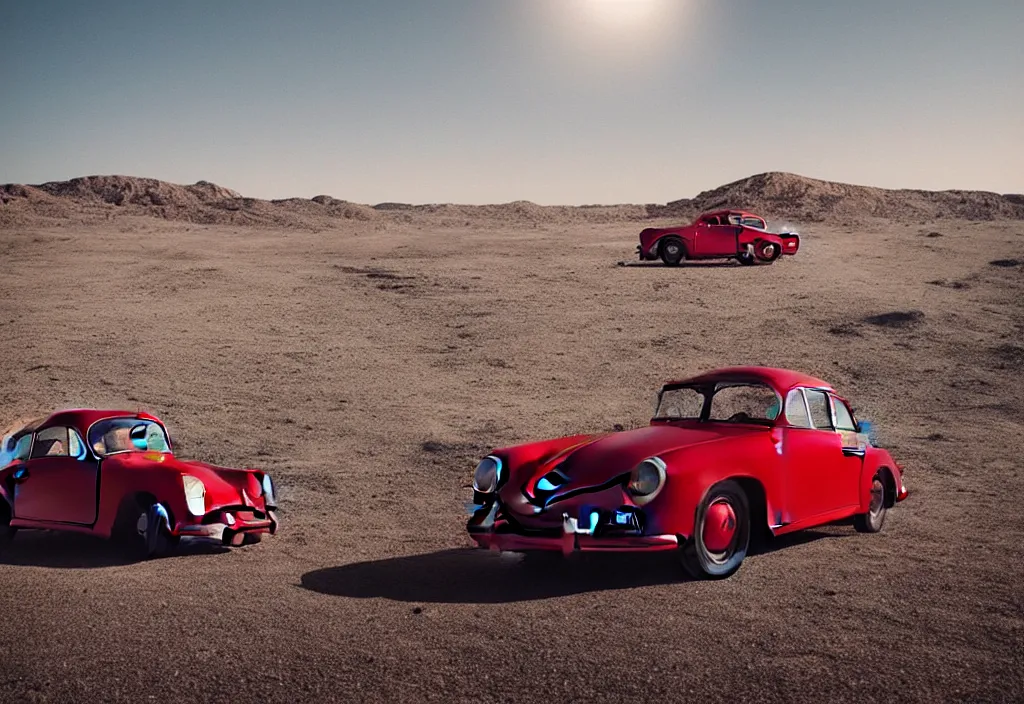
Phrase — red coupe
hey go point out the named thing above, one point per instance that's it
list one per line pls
(727, 454)
(723, 234)
(113, 474)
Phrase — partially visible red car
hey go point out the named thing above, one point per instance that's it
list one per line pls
(113, 474)
(723, 234)
(728, 454)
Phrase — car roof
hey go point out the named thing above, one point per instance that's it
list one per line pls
(782, 379)
(741, 213)
(81, 418)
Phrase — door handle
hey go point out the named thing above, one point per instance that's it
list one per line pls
(853, 452)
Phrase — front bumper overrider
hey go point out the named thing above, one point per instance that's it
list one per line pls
(231, 525)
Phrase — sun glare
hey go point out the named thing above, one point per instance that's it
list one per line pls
(625, 14)
(620, 23)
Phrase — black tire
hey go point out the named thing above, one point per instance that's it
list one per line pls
(874, 519)
(747, 259)
(7, 531)
(702, 562)
(146, 535)
(767, 251)
(671, 251)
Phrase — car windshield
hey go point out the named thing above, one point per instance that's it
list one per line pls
(113, 435)
(731, 402)
(744, 403)
(679, 403)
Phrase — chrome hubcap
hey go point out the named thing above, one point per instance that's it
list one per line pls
(877, 494)
(769, 251)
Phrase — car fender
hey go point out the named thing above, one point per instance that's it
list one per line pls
(692, 472)
(119, 485)
(876, 460)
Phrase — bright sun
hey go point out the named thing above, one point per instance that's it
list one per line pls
(625, 13)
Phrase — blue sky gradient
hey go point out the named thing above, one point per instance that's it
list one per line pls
(487, 101)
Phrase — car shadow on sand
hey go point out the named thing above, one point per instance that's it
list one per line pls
(693, 264)
(474, 576)
(40, 548)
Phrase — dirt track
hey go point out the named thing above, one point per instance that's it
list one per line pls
(369, 368)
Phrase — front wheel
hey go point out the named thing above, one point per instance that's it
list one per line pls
(671, 251)
(871, 522)
(721, 533)
(746, 258)
(148, 536)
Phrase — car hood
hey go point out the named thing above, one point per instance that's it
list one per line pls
(608, 457)
(223, 484)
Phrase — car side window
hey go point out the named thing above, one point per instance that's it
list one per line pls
(796, 411)
(76, 447)
(844, 419)
(821, 414)
(51, 442)
(22, 447)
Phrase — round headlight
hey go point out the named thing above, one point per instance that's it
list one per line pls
(195, 495)
(485, 478)
(646, 479)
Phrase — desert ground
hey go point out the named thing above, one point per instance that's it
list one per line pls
(368, 364)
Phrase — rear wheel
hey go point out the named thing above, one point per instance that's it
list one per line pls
(671, 251)
(768, 251)
(721, 533)
(871, 522)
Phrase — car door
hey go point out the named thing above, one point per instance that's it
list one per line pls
(817, 476)
(851, 466)
(58, 482)
(715, 240)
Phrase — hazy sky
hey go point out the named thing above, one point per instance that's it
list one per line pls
(484, 101)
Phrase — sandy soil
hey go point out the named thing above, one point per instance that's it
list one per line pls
(370, 365)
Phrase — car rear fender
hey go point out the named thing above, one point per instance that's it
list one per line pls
(880, 462)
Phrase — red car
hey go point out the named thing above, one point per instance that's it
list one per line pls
(723, 234)
(113, 474)
(728, 454)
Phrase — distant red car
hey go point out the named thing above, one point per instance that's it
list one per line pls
(113, 474)
(727, 453)
(723, 234)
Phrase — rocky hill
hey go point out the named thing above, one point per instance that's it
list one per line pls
(807, 199)
(777, 196)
